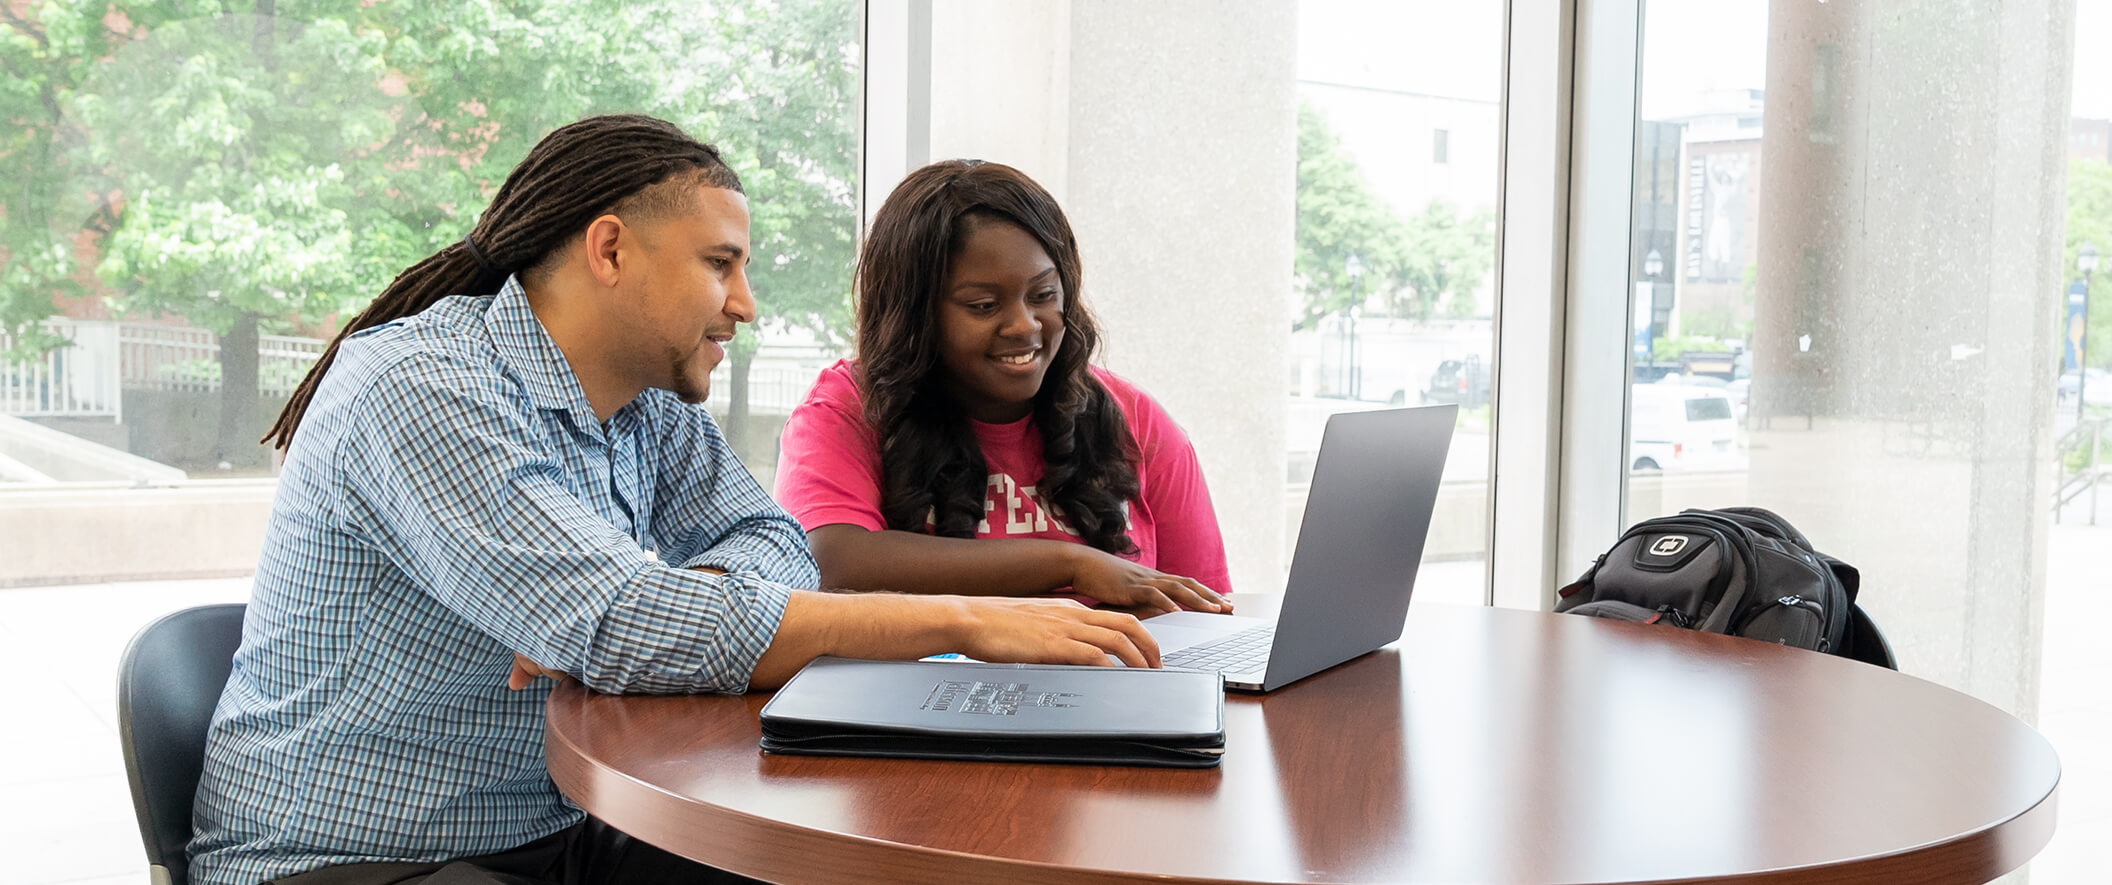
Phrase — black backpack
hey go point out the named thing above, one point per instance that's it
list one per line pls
(1740, 571)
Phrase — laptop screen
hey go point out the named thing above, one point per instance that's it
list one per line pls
(1367, 516)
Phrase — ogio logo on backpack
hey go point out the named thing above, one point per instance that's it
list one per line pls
(1669, 545)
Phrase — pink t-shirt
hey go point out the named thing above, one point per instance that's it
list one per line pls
(828, 472)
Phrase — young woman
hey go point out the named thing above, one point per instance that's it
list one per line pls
(972, 447)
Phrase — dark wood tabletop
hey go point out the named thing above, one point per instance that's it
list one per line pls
(1488, 745)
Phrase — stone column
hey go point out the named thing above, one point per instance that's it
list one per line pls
(1168, 131)
(1911, 236)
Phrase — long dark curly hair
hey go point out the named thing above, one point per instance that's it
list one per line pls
(930, 464)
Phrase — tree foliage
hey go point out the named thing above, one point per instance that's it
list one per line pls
(1447, 257)
(280, 160)
(2090, 221)
(1427, 265)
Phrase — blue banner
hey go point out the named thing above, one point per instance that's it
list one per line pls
(1642, 318)
(2072, 326)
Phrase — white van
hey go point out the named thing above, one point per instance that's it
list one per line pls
(1681, 427)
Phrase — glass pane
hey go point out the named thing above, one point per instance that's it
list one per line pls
(1395, 285)
(196, 202)
(1272, 233)
(192, 203)
(1861, 260)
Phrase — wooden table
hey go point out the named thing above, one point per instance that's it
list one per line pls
(1489, 745)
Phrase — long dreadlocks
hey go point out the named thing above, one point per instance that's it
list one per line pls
(632, 166)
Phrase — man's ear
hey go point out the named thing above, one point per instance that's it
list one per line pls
(602, 247)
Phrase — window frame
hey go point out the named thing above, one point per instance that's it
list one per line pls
(1559, 390)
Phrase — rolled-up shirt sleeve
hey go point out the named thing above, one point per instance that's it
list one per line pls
(459, 491)
(710, 511)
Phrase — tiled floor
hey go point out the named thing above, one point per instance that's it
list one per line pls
(68, 815)
(2075, 705)
(68, 818)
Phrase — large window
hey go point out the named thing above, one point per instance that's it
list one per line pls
(1860, 280)
(1394, 287)
(1857, 238)
(1268, 237)
(195, 201)
(194, 197)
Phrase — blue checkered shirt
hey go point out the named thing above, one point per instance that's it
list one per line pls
(451, 500)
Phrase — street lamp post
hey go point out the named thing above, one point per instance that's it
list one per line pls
(1354, 267)
(2086, 261)
(1645, 320)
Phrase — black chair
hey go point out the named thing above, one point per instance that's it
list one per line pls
(166, 690)
(1865, 642)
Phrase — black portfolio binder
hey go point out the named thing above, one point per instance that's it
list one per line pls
(999, 712)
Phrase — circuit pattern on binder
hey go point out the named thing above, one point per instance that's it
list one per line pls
(992, 698)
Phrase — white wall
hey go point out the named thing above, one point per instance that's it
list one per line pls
(1168, 131)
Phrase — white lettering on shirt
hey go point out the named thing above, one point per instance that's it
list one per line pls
(1017, 523)
(1025, 511)
(996, 481)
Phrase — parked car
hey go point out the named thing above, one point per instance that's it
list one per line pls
(1709, 381)
(1681, 427)
(1652, 372)
(1462, 381)
(1740, 392)
(2094, 383)
(1736, 390)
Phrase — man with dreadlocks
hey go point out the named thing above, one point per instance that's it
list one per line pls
(500, 472)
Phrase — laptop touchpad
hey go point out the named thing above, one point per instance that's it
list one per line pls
(1178, 630)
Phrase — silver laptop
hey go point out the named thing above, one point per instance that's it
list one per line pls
(1366, 518)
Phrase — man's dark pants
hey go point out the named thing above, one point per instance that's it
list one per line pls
(591, 853)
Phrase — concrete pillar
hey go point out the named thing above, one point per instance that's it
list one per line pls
(1911, 236)
(1168, 131)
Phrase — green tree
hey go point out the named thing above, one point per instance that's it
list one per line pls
(1338, 217)
(236, 167)
(46, 50)
(2090, 221)
(266, 162)
(1412, 267)
(1446, 257)
(786, 119)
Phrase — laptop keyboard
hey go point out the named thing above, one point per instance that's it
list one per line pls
(1242, 652)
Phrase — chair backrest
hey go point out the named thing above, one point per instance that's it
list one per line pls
(171, 679)
(1866, 643)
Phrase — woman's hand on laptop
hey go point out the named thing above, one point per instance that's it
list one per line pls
(1053, 631)
(1118, 582)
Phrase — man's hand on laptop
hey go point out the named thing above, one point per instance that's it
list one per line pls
(1118, 582)
(1054, 631)
(994, 629)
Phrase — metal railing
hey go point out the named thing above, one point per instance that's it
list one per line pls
(283, 360)
(2083, 447)
(772, 390)
(167, 357)
(78, 379)
(184, 358)
(86, 377)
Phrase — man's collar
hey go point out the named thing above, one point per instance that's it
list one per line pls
(526, 349)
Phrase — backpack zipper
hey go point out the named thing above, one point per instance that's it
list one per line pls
(1668, 613)
(1825, 643)
(1736, 534)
